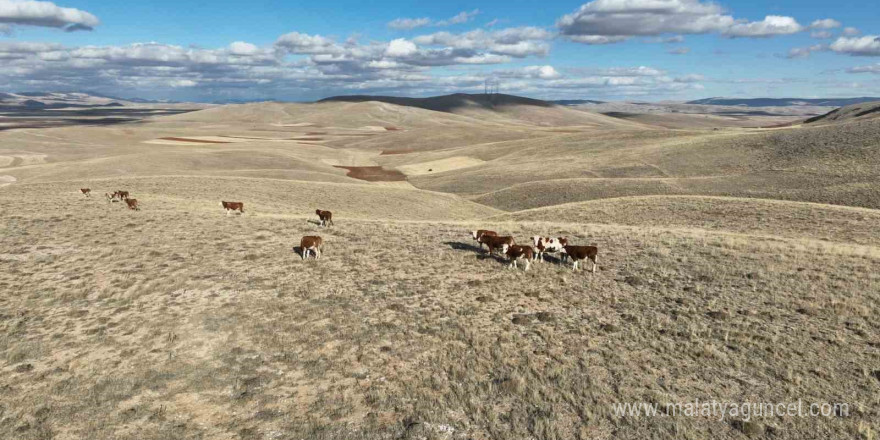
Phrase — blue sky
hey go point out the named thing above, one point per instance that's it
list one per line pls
(601, 49)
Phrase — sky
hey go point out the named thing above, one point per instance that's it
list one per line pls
(644, 50)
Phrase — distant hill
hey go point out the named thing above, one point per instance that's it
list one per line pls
(851, 112)
(447, 103)
(61, 100)
(783, 102)
(496, 109)
(576, 102)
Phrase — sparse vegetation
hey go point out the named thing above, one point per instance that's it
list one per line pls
(178, 321)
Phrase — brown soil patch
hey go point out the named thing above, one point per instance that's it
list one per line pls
(308, 139)
(373, 174)
(195, 141)
(392, 128)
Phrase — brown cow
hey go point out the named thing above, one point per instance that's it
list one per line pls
(515, 253)
(122, 195)
(311, 243)
(326, 217)
(132, 204)
(578, 253)
(481, 232)
(86, 192)
(233, 206)
(494, 241)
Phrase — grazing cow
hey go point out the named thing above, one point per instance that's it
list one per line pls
(481, 232)
(494, 241)
(122, 195)
(86, 192)
(132, 204)
(578, 253)
(546, 244)
(326, 217)
(233, 206)
(112, 197)
(515, 253)
(311, 243)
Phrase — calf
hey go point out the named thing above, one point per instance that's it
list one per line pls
(111, 198)
(86, 192)
(494, 241)
(515, 253)
(578, 253)
(233, 206)
(132, 204)
(311, 243)
(326, 217)
(481, 232)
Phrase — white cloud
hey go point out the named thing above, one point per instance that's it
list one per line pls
(851, 32)
(243, 48)
(461, 17)
(44, 14)
(516, 42)
(679, 51)
(821, 35)
(612, 21)
(413, 23)
(409, 23)
(875, 69)
(828, 23)
(298, 43)
(868, 45)
(771, 25)
(804, 52)
(401, 48)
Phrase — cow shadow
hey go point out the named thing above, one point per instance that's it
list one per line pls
(314, 222)
(298, 250)
(482, 253)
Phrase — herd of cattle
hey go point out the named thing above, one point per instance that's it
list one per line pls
(515, 253)
(543, 245)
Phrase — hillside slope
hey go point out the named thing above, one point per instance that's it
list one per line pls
(855, 112)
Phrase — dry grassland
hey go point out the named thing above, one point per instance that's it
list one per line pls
(179, 322)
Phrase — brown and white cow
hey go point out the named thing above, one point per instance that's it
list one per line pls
(481, 232)
(326, 217)
(495, 241)
(544, 245)
(115, 196)
(311, 243)
(86, 192)
(132, 204)
(578, 253)
(122, 195)
(515, 253)
(233, 206)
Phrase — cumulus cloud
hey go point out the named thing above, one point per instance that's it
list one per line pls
(297, 43)
(44, 14)
(611, 21)
(821, 35)
(851, 32)
(868, 45)
(516, 42)
(413, 23)
(771, 25)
